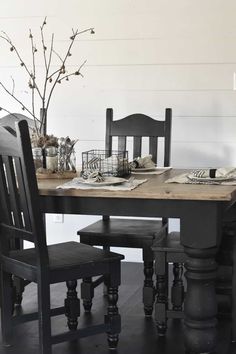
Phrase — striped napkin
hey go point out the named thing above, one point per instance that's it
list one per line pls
(221, 176)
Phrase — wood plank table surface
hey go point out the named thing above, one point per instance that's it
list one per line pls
(200, 208)
(154, 188)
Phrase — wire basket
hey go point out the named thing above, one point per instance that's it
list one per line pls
(114, 163)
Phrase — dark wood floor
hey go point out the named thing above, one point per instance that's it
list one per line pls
(138, 334)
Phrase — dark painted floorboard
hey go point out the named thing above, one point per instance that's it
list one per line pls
(138, 334)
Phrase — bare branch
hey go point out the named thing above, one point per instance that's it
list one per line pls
(22, 63)
(47, 66)
(44, 23)
(68, 53)
(51, 51)
(58, 55)
(58, 70)
(16, 99)
(55, 77)
(91, 30)
(43, 44)
(33, 50)
(77, 72)
(13, 86)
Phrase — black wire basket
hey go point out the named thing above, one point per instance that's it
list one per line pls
(109, 163)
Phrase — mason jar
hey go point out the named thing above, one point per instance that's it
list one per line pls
(37, 157)
(51, 158)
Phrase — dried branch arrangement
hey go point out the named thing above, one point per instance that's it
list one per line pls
(51, 77)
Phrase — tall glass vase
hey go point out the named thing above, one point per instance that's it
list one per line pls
(43, 121)
(43, 132)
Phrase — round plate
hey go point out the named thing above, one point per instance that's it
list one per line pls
(108, 181)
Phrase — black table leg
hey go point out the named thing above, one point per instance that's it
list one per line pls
(200, 305)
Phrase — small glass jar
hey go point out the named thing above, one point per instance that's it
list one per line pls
(51, 158)
(37, 157)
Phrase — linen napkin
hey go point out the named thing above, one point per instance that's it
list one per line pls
(221, 176)
(142, 162)
(128, 185)
(145, 165)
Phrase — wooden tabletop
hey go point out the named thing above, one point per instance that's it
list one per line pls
(154, 188)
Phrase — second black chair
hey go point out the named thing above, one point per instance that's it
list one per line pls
(133, 233)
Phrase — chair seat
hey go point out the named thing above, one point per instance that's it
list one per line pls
(170, 243)
(64, 260)
(122, 232)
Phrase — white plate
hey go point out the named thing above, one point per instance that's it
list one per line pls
(206, 179)
(144, 169)
(108, 181)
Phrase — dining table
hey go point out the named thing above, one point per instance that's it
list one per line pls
(201, 209)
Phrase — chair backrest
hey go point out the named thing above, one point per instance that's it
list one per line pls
(20, 215)
(138, 126)
(10, 120)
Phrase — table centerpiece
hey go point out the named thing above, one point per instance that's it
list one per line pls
(53, 156)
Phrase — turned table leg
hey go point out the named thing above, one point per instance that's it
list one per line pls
(200, 304)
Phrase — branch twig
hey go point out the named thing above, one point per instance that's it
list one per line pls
(77, 72)
(32, 86)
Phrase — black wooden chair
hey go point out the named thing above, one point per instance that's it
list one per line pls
(21, 217)
(168, 251)
(9, 121)
(133, 233)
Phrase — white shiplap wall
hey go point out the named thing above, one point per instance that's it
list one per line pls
(145, 56)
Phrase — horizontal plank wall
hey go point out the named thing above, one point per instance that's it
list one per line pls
(144, 56)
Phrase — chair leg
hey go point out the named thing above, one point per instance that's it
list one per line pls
(6, 308)
(113, 318)
(162, 293)
(44, 317)
(148, 288)
(87, 293)
(233, 311)
(72, 305)
(177, 290)
(105, 291)
(19, 287)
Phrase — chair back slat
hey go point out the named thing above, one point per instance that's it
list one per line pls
(22, 196)
(20, 192)
(168, 127)
(140, 126)
(12, 184)
(153, 146)
(5, 209)
(121, 143)
(137, 146)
